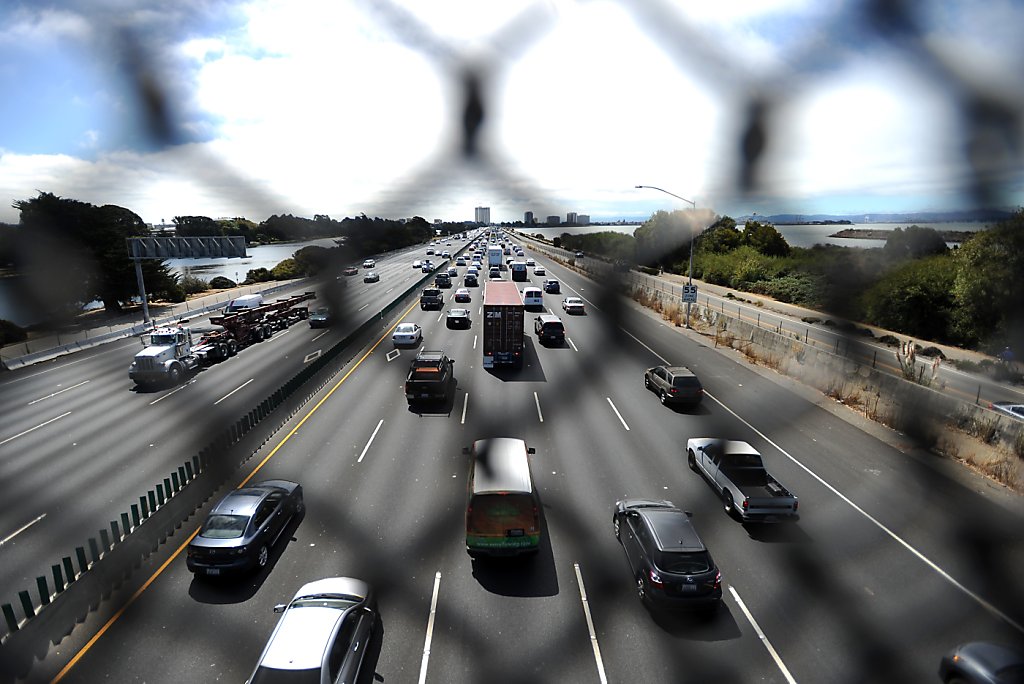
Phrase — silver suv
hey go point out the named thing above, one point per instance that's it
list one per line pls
(322, 635)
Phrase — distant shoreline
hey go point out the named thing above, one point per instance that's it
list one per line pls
(869, 234)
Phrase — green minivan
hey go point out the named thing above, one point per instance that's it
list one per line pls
(502, 507)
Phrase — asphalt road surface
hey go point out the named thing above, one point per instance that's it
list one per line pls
(897, 557)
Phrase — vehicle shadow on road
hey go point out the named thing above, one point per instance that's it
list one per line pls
(530, 371)
(698, 625)
(241, 588)
(781, 533)
(520, 576)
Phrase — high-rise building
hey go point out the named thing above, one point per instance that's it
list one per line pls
(554, 220)
(528, 218)
(583, 220)
(482, 215)
(570, 218)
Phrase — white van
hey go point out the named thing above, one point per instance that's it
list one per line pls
(533, 298)
(250, 301)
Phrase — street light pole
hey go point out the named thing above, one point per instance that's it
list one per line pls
(694, 205)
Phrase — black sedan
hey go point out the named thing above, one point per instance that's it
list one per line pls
(457, 318)
(670, 565)
(242, 528)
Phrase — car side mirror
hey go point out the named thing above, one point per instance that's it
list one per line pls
(531, 450)
(689, 514)
(279, 608)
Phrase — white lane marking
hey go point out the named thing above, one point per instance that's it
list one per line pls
(318, 336)
(465, 403)
(233, 391)
(372, 437)
(474, 341)
(430, 628)
(32, 429)
(764, 640)
(312, 356)
(50, 396)
(21, 529)
(362, 307)
(571, 343)
(440, 316)
(537, 401)
(388, 291)
(173, 391)
(590, 626)
(617, 412)
(278, 335)
(393, 354)
(905, 544)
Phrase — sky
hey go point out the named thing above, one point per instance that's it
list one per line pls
(252, 108)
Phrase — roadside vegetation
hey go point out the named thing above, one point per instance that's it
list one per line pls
(914, 284)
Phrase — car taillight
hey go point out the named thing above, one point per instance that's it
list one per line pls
(673, 390)
(718, 580)
(746, 504)
(796, 505)
(655, 579)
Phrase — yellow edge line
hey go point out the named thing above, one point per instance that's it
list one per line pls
(152, 578)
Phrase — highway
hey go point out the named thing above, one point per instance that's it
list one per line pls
(897, 556)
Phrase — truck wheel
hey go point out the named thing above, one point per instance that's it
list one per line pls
(174, 374)
(728, 504)
(691, 460)
(257, 334)
(268, 331)
(232, 348)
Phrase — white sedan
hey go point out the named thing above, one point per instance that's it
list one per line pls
(539, 271)
(573, 305)
(407, 334)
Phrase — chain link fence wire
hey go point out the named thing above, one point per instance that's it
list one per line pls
(988, 110)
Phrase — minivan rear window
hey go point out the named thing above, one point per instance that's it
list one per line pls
(685, 381)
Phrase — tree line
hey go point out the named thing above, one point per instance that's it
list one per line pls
(915, 284)
(66, 253)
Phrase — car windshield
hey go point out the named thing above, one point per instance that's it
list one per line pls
(220, 526)
(269, 675)
(686, 563)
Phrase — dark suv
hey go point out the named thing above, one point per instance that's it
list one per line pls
(549, 329)
(431, 377)
(431, 299)
(674, 385)
(671, 566)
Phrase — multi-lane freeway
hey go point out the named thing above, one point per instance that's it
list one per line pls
(897, 557)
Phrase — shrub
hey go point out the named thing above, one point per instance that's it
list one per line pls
(810, 319)
(11, 333)
(932, 352)
(891, 340)
(191, 284)
(649, 271)
(222, 283)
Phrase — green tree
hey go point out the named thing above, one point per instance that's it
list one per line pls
(913, 243)
(989, 272)
(196, 226)
(765, 239)
(76, 253)
(915, 298)
(664, 239)
(720, 237)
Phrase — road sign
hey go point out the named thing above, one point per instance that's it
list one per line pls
(690, 293)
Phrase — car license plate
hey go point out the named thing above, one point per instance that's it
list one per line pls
(687, 588)
(518, 532)
(212, 571)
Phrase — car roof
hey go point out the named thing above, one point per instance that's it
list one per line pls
(242, 501)
(301, 638)
(679, 370)
(672, 529)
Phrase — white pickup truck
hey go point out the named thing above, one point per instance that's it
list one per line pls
(737, 473)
